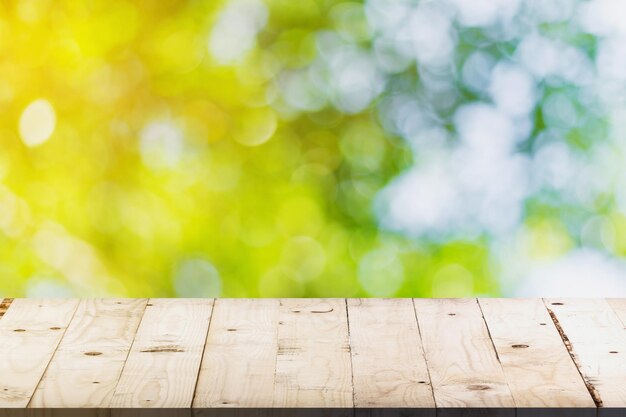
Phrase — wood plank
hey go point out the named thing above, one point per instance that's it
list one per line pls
(89, 360)
(536, 363)
(313, 357)
(619, 307)
(463, 365)
(313, 366)
(164, 361)
(597, 339)
(30, 332)
(389, 369)
(239, 359)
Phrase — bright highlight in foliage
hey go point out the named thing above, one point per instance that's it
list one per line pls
(37, 122)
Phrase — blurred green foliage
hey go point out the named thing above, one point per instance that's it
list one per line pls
(177, 164)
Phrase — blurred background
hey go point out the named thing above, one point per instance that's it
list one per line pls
(249, 148)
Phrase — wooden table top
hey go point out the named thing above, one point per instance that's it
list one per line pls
(344, 355)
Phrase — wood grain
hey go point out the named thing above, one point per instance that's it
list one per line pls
(164, 361)
(30, 332)
(313, 366)
(537, 366)
(239, 359)
(597, 339)
(389, 369)
(313, 358)
(619, 307)
(463, 365)
(89, 360)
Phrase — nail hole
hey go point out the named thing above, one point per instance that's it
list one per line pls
(519, 346)
(542, 324)
(93, 353)
(96, 382)
(451, 314)
(19, 330)
(421, 382)
(55, 328)
(613, 351)
(281, 322)
(231, 330)
(149, 305)
(557, 304)
(224, 402)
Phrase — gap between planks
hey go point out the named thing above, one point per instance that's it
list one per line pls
(593, 392)
(595, 333)
(4, 305)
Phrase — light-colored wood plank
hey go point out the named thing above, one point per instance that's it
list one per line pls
(619, 307)
(597, 339)
(239, 359)
(536, 363)
(313, 366)
(30, 332)
(164, 361)
(463, 365)
(89, 360)
(262, 356)
(389, 369)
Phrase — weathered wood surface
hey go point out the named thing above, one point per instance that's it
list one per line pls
(30, 332)
(313, 357)
(88, 362)
(388, 364)
(162, 367)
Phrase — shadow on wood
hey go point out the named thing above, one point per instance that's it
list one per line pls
(558, 412)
